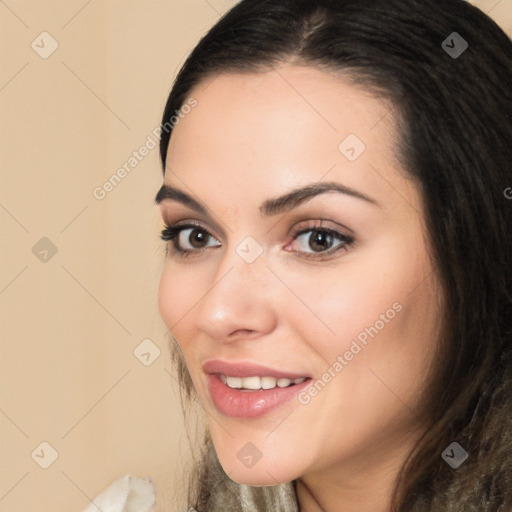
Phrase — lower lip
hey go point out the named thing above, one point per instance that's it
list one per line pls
(250, 404)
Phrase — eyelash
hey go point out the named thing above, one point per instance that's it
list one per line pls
(171, 233)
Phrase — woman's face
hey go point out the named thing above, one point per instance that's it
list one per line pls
(332, 283)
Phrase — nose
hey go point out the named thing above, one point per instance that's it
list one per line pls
(240, 301)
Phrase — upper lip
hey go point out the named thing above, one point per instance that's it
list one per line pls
(247, 369)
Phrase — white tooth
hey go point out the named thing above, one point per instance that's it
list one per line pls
(251, 383)
(268, 382)
(282, 383)
(255, 382)
(234, 382)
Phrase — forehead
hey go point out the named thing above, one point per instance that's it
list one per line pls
(282, 128)
(292, 101)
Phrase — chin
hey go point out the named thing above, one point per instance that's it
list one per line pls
(263, 473)
(256, 479)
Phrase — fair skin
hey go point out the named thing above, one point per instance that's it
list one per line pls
(253, 137)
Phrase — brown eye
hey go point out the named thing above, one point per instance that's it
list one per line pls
(188, 238)
(196, 238)
(319, 241)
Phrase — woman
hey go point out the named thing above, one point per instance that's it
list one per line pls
(338, 267)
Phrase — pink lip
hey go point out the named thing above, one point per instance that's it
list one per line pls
(241, 369)
(249, 404)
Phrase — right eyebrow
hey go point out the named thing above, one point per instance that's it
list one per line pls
(296, 197)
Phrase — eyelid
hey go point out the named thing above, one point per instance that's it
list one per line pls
(346, 241)
(171, 214)
(187, 223)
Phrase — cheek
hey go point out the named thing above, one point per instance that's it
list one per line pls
(175, 293)
(336, 305)
(166, 298)
(378, 312)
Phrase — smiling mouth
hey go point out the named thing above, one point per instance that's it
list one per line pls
(266, 395)
(256, 383)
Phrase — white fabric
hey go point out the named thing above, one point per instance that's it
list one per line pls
(126, 494)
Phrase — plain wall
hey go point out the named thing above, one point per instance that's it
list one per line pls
(71, 321)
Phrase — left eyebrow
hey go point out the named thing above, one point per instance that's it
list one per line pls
(269, 207)
(168, 193)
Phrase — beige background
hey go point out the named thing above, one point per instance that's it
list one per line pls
(70, 324)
